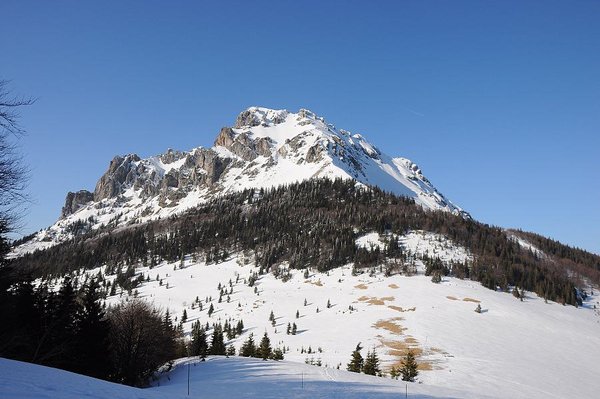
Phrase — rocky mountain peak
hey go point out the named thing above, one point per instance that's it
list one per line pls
(259, 116)
(265, 148)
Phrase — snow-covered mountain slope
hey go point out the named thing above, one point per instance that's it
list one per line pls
(217, 377)
(258, 379)
(265, 148)
(517, 349)
(19, 380)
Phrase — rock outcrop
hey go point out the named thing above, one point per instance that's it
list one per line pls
(76, 200)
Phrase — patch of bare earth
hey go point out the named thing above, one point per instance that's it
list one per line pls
(401, 309)
(471, 300)
(361, 286)
(452, 298)
(375, 301)
(393, 286)
(398, 348)
(392, 325)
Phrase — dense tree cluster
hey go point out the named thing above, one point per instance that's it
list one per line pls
(262, 351)
(369, 365)
(71, 330)
(315, 224)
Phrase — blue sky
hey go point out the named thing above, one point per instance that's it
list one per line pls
(497, 101)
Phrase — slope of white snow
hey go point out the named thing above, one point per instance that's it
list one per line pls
(217, 377)
(235, 377)
(529, 349)
(19, 380)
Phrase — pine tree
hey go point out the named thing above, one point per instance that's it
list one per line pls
(198, 344)
(277, 354)
(264, 349)
(217, 345)
(356, 363)
(184, 316)
(409, 367)
(371, 364)
(248, 349)
(231, 350)
(294, 329)
(92, 334)
(297, 314)
(239, 328)
(289, 329)
(211, 309)
(394, 373)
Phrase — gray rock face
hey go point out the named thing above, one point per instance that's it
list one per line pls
(247, 118)
(171, 156)
(120, 171)
(242, 145)
(76, 200)
(212, 166)
(225, 137)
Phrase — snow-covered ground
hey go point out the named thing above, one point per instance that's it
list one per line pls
(233, 377)
(528, 349)
(19, 380)
(217, 377)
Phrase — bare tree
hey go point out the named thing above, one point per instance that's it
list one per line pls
(13, 174)
(141, 341)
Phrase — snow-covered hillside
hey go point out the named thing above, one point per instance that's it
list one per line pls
(217, 377)
(528, 349)
(265, 148)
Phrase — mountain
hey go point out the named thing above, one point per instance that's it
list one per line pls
(367, 252)
(265, 148)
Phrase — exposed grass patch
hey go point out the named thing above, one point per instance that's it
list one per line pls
(361, 286)
(471, 300)
(391, 325)
(393, 286)
(452, 298)
(401, 309)
(375, 300)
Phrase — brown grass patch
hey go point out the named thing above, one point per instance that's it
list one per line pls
(361, 286)
(393, 286)
(391, 325)
(401, 309)
(452, 298)
(374, 300)
(317, 283)
(399, 349)
(471, 300)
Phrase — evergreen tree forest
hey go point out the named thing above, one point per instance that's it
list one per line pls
(315, 224)
(70, 329)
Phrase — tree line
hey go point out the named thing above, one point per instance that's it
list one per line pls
(315, 224)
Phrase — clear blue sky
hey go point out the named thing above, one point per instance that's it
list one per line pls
(497, 101)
